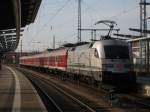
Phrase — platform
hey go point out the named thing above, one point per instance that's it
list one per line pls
(17, 94)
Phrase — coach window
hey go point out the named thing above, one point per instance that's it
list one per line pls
(96, 53)
(61, 59)
(53, 58)
(57, 58)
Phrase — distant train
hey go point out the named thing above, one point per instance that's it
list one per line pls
(104, 61)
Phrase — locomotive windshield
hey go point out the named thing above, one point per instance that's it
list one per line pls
(116, 52)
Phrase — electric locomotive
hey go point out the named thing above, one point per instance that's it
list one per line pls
(105, 61)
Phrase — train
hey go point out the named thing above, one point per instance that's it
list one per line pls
(107, 61)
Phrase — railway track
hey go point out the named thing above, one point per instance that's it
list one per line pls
(55, 98)
(48, 101)
(127, 101)
(139, 101)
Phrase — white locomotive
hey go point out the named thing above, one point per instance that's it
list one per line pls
(108, 61)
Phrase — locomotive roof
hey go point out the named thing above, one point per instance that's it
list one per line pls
(75, 44)
(102, 42)
(138, 39)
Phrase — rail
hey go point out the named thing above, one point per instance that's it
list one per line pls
(85, 106)
(48, 98)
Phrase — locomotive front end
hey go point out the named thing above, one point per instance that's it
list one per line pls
(117, 64)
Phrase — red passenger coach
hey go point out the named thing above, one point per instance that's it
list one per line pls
(30, 60)
(56, 59)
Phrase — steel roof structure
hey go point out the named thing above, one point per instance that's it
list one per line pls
(15, 14)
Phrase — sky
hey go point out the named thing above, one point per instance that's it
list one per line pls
(59, 18)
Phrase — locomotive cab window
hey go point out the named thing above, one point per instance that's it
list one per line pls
(116, 52)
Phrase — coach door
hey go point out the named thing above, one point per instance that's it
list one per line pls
(41, 62)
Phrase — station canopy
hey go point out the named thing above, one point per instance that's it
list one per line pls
(15, 15)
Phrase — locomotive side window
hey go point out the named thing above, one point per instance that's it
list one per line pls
(73, 49)
(96, 53)
(116, 52)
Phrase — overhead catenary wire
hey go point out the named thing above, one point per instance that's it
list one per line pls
(114, 16)
(119, 14)
(124, 12)
(92, 8)
(54, 15)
